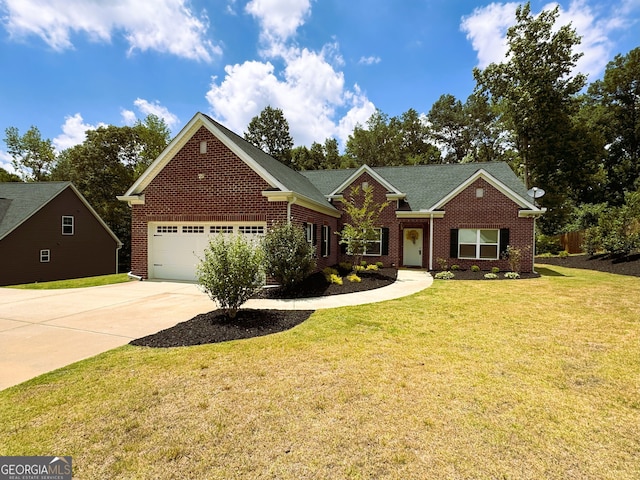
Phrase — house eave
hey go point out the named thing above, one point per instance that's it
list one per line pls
(532, 213)
(132, 199)
(302, 200)
(404, 214)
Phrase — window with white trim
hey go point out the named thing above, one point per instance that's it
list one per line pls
(220, 229)
(167, 229)
(478, 244)
(251, 229)
(309, 229)
(45, 256)
(326, 240)
(67, 225)
(374, 247)
(193, 229)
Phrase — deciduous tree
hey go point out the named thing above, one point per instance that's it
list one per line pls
(269, 131)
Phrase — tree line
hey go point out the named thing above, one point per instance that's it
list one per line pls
(581, 145)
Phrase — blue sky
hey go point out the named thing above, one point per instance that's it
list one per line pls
(73, 65)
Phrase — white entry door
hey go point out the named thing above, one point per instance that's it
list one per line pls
(412, 247)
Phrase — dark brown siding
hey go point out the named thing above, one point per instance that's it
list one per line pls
(90, 251)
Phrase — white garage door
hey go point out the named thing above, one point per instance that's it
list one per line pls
(175, 249)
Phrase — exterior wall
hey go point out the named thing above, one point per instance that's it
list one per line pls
(212, 187)
(387, 219)
(90, 251)
(494, 211)
(303, 215)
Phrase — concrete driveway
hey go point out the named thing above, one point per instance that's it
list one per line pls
(41, 330)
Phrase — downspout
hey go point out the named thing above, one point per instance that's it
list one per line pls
(289, 203)
(431, 242)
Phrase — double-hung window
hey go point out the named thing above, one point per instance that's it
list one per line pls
(326, 240)
(374, 247)
(45, 256)
(67, 225)
(478, 243)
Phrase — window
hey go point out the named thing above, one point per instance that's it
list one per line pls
(310, 232)
(374, 247)
(478, 244)
(252, 229)
(45, 256)
(326, 240)
(167, 229)
(67, 225)
(221, 229)
(193, 229)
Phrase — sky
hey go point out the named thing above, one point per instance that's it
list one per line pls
(68, 66)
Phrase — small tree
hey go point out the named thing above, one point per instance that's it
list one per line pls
(231, 271)
(363, 219)
(288, 257)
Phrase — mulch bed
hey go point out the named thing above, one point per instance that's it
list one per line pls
(215, 326)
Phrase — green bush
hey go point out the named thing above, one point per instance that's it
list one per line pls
(231, 271)
(495, 270)
(379, 264)
(354, 278)
(443, 263)
(475, 268)
(345, 266)
(328, 272)
(455, 267)
(288, 257)
(563, 254)
(334, 278)
(444, 275)
(372, 268)
(547, 244)
(490, 276)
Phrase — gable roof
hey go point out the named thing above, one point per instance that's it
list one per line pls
(279, 177)
(428, 187)
(20, 201)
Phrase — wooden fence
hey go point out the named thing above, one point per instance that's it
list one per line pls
(572, 241)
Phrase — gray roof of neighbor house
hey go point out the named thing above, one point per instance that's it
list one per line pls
(20, 201)
(424, 185)
(288, 177)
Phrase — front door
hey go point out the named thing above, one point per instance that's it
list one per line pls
(412, 247)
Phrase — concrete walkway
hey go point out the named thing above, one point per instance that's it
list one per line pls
(42, 330)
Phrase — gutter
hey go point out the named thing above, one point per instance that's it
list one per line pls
(131, 275)
(431, 242)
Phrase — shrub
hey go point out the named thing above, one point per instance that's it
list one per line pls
(231, 271)
(379, 264)
(455, 267)
(512, 275)
(591, 241)
(363, 263)
(514, 256)
(547, 244)
(287, 254)
(443, 263)
(563, 254)
(328, 272)
(495, 270)
(345, 266)
(490, 276)
(354, 278)
(358, 268)
(373, 268)
(334, 278)
(475, 268)
(445, 275)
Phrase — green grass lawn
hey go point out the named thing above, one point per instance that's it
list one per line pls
(523, 379)
(76, 282)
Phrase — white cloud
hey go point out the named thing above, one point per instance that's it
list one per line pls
(486, 29)
(310, 92)
(279, 19)
(128, 117)
(154, 108)
(369, 60)
(167, 26)
(73, 132)
(5, 162)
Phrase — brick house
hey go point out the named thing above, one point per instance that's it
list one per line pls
(48, 231)
(209, 180)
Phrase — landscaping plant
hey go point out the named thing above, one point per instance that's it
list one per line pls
(288, 257)
(231, 271)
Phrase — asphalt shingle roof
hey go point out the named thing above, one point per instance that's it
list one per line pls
(20, 201)
(424, 185)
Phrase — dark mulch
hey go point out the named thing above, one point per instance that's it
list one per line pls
(629, 265)
(216, 327)
(317, 286)
(469, 275)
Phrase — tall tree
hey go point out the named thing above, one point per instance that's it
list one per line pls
(32, 156)
(415, 147)
(449, 130)
(269, 131)
(534, 91)
(376, 145)
(614, 105)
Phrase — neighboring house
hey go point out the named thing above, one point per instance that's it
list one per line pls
(48, 231)
(210, 180)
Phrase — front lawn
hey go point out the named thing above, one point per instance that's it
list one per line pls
(522, 379)
(76, 282)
